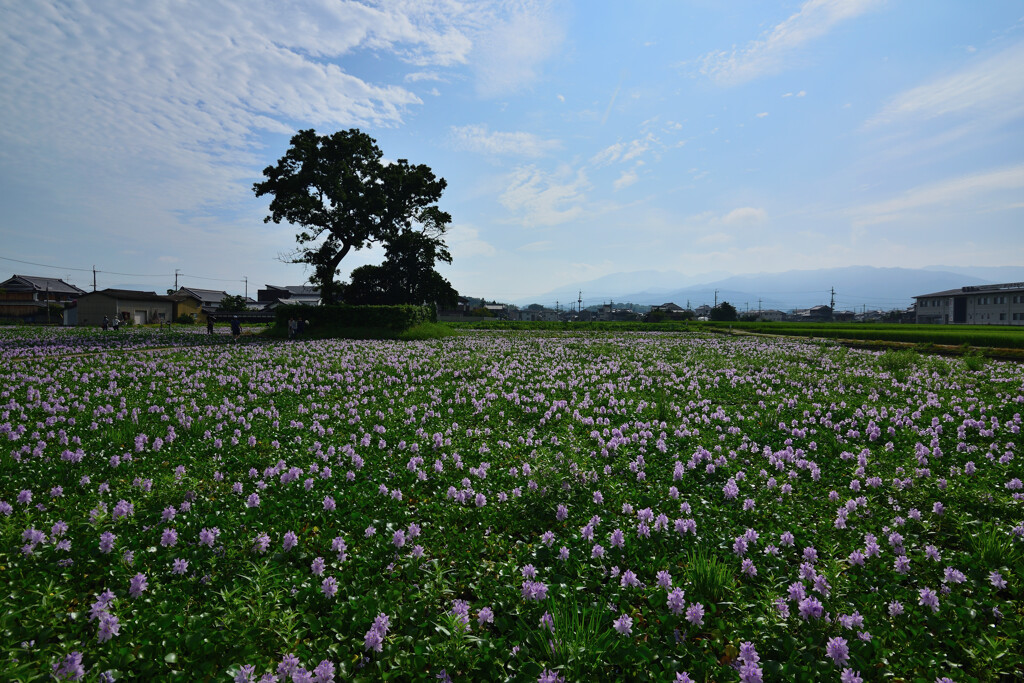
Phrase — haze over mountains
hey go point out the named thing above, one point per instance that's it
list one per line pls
(856, 287)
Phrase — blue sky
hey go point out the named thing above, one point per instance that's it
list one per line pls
(578, 139)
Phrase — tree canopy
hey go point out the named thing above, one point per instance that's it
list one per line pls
(724, 311)
(344, 197)
(407, 276)
(232, 303)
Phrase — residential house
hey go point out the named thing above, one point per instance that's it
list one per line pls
(275, 295)
(1001, 304)
(35, 299)
(130, 306)
(770, 315)
(197, 303)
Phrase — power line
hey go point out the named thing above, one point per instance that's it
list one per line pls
(43, 265)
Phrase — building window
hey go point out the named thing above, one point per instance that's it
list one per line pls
(1002, 316)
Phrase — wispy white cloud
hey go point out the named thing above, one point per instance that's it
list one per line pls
(975, 193)
(814, 19)
(992, 88)
(164, 103)
(478, 138)
(514, 41)
(624, 151)
(746, 215)
(539, 198)
(542, 245)
(464, 241)
(626, 179)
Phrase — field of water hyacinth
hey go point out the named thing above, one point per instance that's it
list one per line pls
(506, 506)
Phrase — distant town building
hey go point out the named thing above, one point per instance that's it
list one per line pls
(275, 295)
(32, 299)
(128, 305)
(974, 305)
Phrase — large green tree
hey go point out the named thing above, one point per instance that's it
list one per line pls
(344, 197)
(407, 276)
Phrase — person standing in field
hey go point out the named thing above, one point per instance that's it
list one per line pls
(293, 327)
(106, 321)
(236, 327)
(209, 324)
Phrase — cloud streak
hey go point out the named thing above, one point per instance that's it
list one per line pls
(478, 138)
(990, 190)
(815, 19)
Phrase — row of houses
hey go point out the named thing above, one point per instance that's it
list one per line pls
(44, 300)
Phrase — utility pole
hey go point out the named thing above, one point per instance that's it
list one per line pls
(176, 271)
(759, 305)
(94, 278)
(246, 278)
(832, 304)
(716, 298)
(579, 303)
(747, 304)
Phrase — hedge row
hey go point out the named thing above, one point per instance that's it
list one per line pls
(396, 318)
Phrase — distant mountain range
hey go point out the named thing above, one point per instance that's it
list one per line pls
(856, 287)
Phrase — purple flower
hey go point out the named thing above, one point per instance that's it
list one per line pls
(561, 513)
(676, 603)
(261, 544)
(318, 566)
(850, 676)
(109, 627)
(838, 650)
(928, 598)
(624, 624)
(485, 616)
(664, 580)
(549, 676)
(290, 541)
(534, 590)
(810, 608)
(895, 608)
(329, 504)
(169, 538)
(70, 669)
(329, 587)
(997, 580)
(253, 500)
(180, 566)
(207, 537)
(398, 538)
(528, 571)
(107, 542)
(324, 672)
(138, 585)
(683, 677)
(695, 614)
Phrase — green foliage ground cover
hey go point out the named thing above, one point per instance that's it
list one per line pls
(507, 506)
(954, 335)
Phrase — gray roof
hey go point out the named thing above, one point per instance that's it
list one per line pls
(130, 294)
(977, 289)
(205, 296)
(301, 290)
(40, 284)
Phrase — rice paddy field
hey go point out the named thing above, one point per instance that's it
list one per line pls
(501, 505)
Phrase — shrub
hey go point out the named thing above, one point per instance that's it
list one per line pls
(395, 318)
(185, 319)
